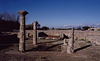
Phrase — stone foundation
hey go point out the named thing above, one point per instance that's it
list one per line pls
(78, 34)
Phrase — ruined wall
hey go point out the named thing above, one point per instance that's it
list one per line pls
(86, 35)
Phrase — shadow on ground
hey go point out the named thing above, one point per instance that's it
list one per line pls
(81, 48)
(7, 41)
(56, 47)
(49, 41)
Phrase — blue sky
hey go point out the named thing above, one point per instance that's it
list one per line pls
(55, 13)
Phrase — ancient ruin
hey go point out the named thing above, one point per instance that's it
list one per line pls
(70, 47)
(68, 36)
(35, 33)
(22, 30)
(67, 47)
(49, 30)
(53, 42)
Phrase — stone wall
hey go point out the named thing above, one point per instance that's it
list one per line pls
(79, 35)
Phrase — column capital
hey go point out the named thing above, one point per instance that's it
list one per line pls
(35, 22)
(23, 12)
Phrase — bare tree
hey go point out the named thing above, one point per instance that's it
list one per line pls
(8, 21)
(1, 16)
(9, 16)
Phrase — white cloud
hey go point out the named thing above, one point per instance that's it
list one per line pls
(66, 25)
(97, 24)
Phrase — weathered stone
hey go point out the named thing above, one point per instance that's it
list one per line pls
(64, 48)
(78, 34)
(22, 30)
(61, 36)
(70, 47)
(95, 40)
(64, 42)
(27, 35)
(35, 32)
(93, 43)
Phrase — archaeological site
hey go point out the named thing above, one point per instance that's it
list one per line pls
(49, 45)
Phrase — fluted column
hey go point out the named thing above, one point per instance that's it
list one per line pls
(22, 30)
(35, 33)
(70, 48)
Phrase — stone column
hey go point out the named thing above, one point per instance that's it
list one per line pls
(22, 30)
(64, 42)
(70, 47)
(35, 33)
(64, 46)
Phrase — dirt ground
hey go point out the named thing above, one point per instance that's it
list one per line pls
(49, 50)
